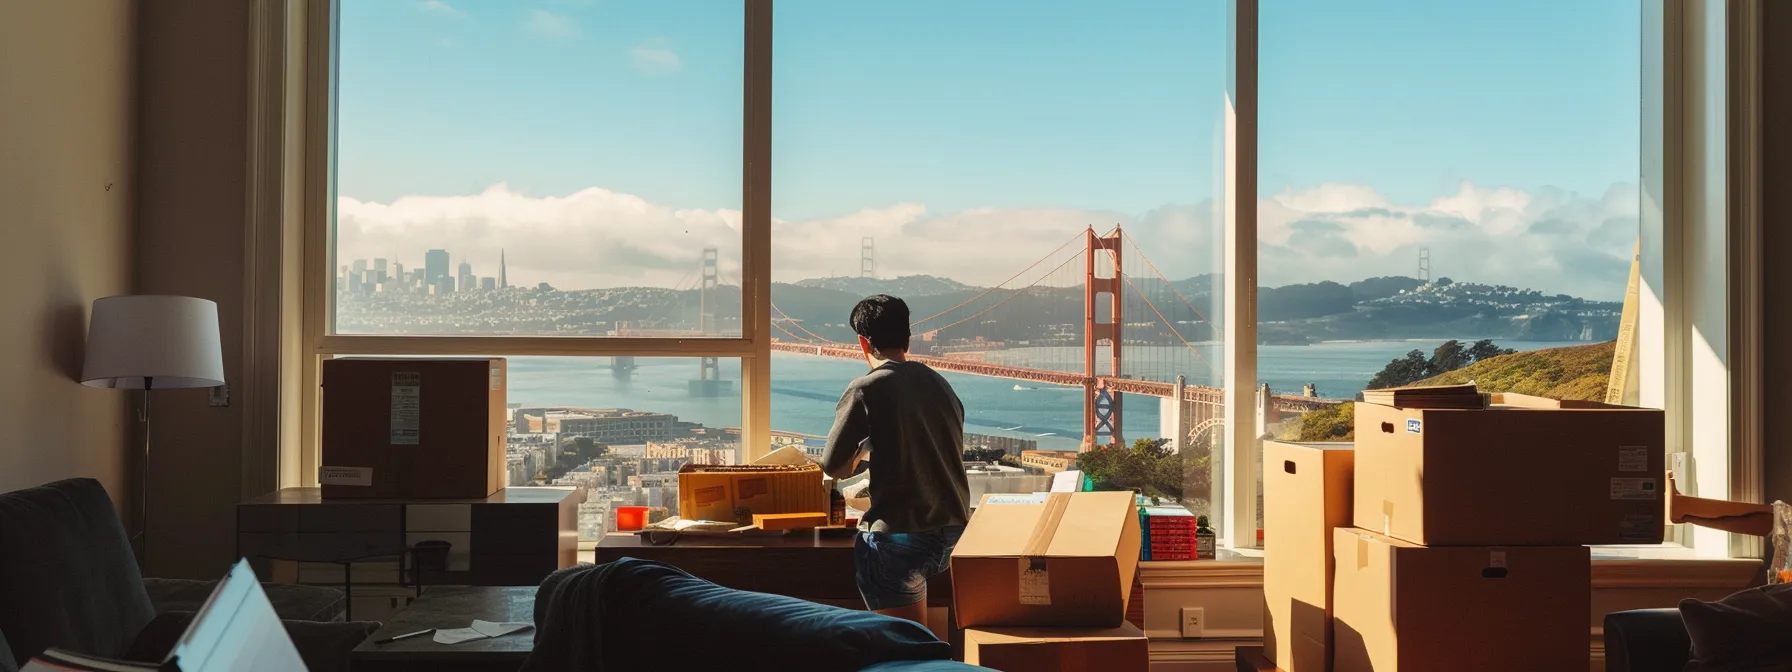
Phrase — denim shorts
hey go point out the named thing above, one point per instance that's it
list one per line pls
(893, 568)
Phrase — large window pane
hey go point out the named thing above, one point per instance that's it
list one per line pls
(976, 159)
(1448, 194)
(572, 169)
(619, 428)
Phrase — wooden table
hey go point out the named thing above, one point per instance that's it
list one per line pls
(445, 607)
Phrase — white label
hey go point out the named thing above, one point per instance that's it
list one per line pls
(1496, 558)
(1634, 488)
(362, 476)
(1633, 458)
(497, 381)
(1035, 582)
(407, 406)
(1038, 498)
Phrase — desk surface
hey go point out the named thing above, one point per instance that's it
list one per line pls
(445, 607)
(519, 495)
(804, 565)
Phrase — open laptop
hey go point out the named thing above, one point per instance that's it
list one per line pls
(235, 631)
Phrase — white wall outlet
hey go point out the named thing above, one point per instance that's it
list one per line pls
(220, 396)
(1194, 621)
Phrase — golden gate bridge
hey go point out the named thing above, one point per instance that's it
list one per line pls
(1115, 303)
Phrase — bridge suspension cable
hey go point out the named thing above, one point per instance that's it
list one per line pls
(1011, 278)
(1160, 315)
(1167, 283)
(1016, 293)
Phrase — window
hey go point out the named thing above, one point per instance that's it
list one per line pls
(1057, 195)
(993, 164)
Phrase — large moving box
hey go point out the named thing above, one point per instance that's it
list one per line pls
(738, 492)
(1526, 471)
(1401, 606)
(412, 427)
(1122, 649)
(1307, 488)
(1059, 559)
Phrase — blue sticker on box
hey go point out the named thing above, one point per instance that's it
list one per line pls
(1412, 426)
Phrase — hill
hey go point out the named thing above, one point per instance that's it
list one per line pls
(1578, 372)
(905, 286)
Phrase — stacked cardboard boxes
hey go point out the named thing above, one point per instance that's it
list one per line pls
(1471, 525)
(1307, 495)
(1041, 582)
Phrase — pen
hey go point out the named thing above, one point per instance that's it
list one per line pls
(389, 640)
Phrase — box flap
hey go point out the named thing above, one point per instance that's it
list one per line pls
(1083, 524)
(1092, 524)
(786, 456)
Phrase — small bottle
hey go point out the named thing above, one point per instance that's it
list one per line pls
(1204, 549)
(836, 505)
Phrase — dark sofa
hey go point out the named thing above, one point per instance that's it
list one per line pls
(69, 579)
(1646, 640)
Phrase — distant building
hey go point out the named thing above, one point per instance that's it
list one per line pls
(696, 451)
(488, 283)
(1009, 445)
(545, 287)
(468, 282)
(608, 425)
(435, 265)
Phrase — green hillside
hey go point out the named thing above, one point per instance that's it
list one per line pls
(1579, 372)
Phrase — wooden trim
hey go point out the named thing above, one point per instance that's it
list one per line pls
(1200, 574)
(1237, 501)
(756, 228)
(1746, 362)
(1607, 573)
(550, 346)
(316, 209)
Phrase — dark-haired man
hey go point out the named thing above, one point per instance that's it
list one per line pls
(907, 418)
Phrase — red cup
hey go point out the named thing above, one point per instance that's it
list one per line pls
(631, 518)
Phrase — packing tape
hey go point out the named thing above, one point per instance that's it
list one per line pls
(1040, 540)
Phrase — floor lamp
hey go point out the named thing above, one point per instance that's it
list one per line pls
(150, 343)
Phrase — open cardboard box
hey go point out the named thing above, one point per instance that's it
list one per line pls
(1063, 559)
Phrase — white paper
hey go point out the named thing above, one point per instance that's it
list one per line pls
(457, 635)
(406, 408)
(1067, 481)
(1035, 584)
(491, 629)
(362, 476)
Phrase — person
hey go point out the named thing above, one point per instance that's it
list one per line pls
(904, 418)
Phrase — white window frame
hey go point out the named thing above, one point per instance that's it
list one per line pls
(1700, 231)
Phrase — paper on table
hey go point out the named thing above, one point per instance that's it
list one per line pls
(491, 629)
(457, 635)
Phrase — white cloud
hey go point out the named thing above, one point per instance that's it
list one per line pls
(654, 58)
(1548, 239)
(439, 7)
(550, 25)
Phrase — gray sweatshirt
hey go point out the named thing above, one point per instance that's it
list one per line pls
(913, 423)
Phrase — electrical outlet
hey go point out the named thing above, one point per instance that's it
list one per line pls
(1194, 621)
(220, 396)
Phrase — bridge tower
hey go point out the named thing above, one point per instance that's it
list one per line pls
(867, 258)
(1101, 405)
(709, 381)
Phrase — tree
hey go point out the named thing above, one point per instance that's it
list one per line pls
(1484, 349)
(1405, 371)
(1448, 357)
(983, 454)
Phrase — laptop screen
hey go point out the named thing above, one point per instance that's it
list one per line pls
(237, 631)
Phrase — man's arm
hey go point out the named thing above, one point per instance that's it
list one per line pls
(851, 426)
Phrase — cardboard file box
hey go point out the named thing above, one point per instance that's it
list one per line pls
(412, 427)
(1306, 490)
(1122, 649)
(738, 492)
(1401, 606)
(1525, 471)
(1063, 559)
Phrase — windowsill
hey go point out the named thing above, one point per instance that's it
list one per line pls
(1613, 567)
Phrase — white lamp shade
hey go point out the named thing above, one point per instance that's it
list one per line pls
(164, 341)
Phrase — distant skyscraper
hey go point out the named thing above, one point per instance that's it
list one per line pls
(503, 271)
(488, 283)
(467, 281)
(379, 269)
(435, 267)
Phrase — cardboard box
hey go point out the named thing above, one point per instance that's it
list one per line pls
(718, 492)
(412, 427)
(789, 521)
(1401, 606)
(1308, 486)
(1526, 471)
(1122, 649)
(1064, 559)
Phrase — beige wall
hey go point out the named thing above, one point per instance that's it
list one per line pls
(66, 86)
(192, 153)
(1776, 217)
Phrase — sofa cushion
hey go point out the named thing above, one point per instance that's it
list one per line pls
(68, 577)
(1745, 631)
(292, 602)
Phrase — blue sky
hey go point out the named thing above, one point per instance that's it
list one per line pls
(894, 114)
